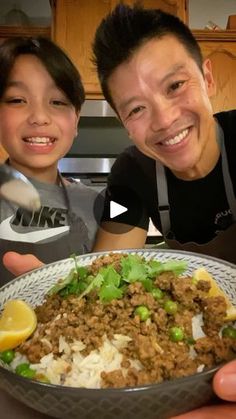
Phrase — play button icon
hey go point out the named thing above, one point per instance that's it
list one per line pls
(117, 206)
(116, 209)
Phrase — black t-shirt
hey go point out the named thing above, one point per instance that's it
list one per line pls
(198, 209)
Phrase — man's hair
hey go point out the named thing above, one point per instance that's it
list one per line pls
(126, 28)
(57, 63)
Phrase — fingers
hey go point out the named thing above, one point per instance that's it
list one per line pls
(227, 411)
(19, 264)
(224, 382)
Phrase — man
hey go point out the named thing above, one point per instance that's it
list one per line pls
(181, 171)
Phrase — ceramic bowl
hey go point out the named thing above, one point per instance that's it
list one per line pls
(156, 401)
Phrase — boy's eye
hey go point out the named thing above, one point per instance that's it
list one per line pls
(15, 100)
(59, 102)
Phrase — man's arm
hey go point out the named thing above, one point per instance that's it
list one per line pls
(114, 236)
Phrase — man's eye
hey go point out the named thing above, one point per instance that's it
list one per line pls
(136, 110)
(176, 85)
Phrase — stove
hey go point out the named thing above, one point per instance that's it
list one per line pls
(91, 171)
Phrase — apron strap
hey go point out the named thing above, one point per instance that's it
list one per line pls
(162, 187)
(163, 201)
(226, 175)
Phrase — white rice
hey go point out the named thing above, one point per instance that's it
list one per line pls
(76, 370)
(71, 368)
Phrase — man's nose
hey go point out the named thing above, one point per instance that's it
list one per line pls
(164, 113)
(38, 115)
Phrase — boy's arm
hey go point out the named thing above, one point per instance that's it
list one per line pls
(114, 236)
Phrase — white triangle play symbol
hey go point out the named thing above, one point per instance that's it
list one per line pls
(116, 209)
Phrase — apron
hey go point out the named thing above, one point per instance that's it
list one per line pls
(75, 241)
(222, 246)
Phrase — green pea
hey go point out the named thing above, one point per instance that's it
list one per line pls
(28, 373)
(25, 371)
(157, 293)
(170, 307)
(176, 334)
(142, 312)
(7, 356)
(229, 332)
(22, 367)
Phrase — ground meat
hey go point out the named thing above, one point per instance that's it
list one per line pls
(186, 292)
(88, 319)
(212, 350)
(213, 314)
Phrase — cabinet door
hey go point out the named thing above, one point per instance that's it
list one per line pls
(222, 52)
(176, 7)
(74, 25)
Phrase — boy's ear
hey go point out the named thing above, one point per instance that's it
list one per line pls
(76, 123)
(208, 77)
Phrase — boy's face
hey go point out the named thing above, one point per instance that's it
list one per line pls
(38, 123)
(162, 98)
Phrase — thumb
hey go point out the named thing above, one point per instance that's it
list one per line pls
(224, 382)
(19, 264)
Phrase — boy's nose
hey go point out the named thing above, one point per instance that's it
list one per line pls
(38, 115)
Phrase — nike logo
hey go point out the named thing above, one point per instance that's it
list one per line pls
(6, 233)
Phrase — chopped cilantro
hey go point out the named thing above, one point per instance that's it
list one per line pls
(110, 284)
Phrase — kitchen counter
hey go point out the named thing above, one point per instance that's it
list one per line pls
(13, 409)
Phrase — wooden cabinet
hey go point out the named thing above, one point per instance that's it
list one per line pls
(74, 25)
(220, 47)
(176, 7)
(13, 31)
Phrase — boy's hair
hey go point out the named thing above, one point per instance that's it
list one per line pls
(57, 63)
(126, 28)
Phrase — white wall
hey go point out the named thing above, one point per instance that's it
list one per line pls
(201, 11)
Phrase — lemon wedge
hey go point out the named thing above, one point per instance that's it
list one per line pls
(17, 322)
(215, 290)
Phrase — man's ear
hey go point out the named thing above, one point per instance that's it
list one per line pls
(208, 77)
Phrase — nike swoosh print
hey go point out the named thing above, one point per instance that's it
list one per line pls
(6, 233)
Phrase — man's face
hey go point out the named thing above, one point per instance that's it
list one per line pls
(162, 98)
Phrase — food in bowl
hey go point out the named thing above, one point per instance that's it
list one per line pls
(125, 321)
